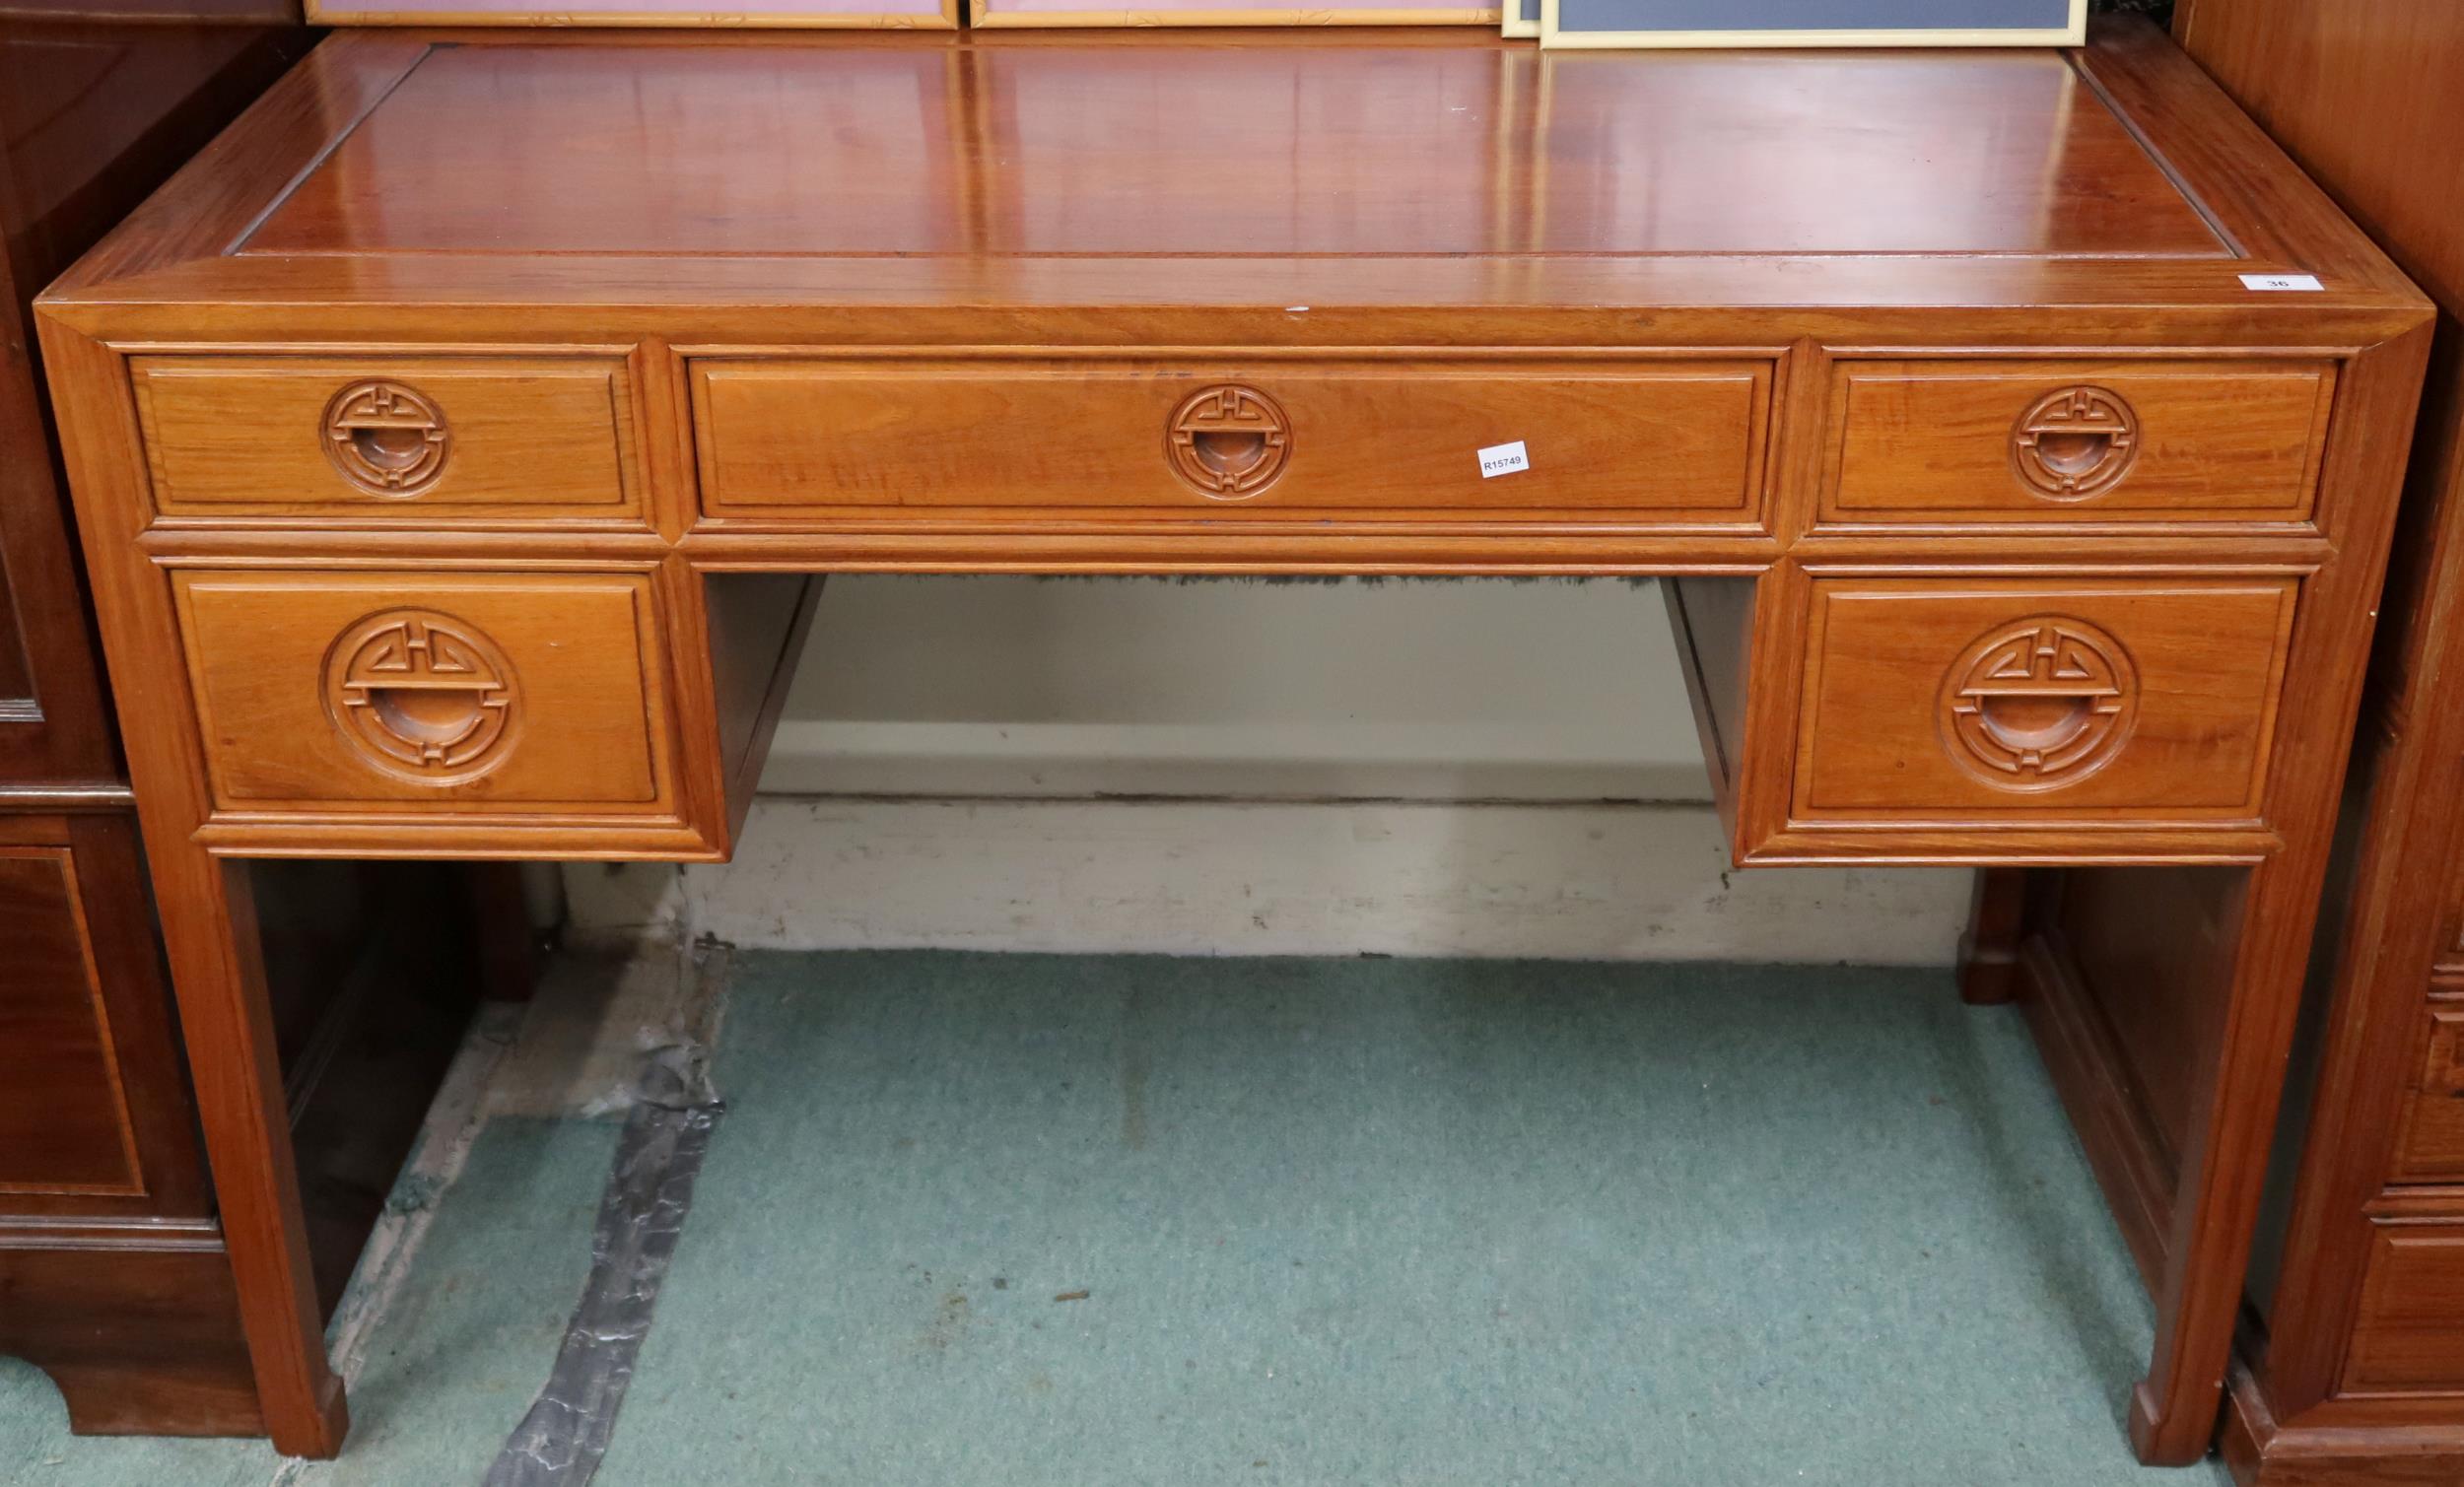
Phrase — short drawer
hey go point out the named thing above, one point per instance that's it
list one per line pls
(429, 691)
(1638, 439)
(1995, 441)
(2048, 703)
(400, 439)
(2429, 1144)
(2408, 1336)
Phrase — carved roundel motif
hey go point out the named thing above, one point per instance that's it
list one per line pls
(423, 695)
(387, 438)
(2075, 442)
(1228, 441)
(2040, 703)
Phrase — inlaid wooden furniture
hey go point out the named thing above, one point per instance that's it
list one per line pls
(2351, 1369)
(113, 1270)
(453, 440)
(116, 1275)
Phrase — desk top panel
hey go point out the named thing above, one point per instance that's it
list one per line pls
(1228, 150)
(1299, 186)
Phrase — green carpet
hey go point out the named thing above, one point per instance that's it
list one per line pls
(1336, 1221)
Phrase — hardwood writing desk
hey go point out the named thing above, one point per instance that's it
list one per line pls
(453, 440)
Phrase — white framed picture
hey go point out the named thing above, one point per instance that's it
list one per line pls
(1810, 23)
(855, 15)
(987, 15)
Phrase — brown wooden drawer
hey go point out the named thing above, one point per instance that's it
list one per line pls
(429, 691)
(1634, 439)
(2048, 702)
(1992, 441)
(412, 439)
(2430, 1142)
(2408, 1336)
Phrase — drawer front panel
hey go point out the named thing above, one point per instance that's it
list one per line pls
(2430, 1147)
(428, 692)
(1631, 440)
(407, 438)
(2076, 441)
(64, 1125)
(2041, 702)
(2409, 1335)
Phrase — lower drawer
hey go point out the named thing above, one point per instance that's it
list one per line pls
(2043, 703)
(428, 694)
(2409, 1334)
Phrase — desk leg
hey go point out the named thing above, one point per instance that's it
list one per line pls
(2222, 1167)
(205, 906)
(207, 913)
(1989, 953)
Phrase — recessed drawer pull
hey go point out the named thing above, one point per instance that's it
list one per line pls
(388, 438)
(2075, 442)
(423, 695)
(1228, 441)
(2039, 705)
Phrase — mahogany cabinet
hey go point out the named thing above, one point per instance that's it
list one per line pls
(2351, 1364)
(115, 1276)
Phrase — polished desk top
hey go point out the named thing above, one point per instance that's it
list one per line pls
(1252, 172)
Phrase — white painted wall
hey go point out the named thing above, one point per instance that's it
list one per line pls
(1434, 691)
(1406, 768)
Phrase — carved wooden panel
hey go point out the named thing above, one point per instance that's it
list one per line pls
(429, 691)
(416, 440)
(2409, 1335)
(65, 1126)
(2430, 1140)
(2086, 700)
(1988, 440)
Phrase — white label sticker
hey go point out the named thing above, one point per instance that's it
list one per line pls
(2304, 284)
(1503, 459)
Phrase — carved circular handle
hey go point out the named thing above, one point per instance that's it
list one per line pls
(2040, 703)
(1228, 443)
(423, 695)
(387, 438)
(2075, 442)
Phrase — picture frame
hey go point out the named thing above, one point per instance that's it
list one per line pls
(991, 15)
(1695, 24)
(682, 15)
(1522, 20)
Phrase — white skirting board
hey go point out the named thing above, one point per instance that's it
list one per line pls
(1197, 877)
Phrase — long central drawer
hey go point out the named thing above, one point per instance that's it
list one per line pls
(1606, 439)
